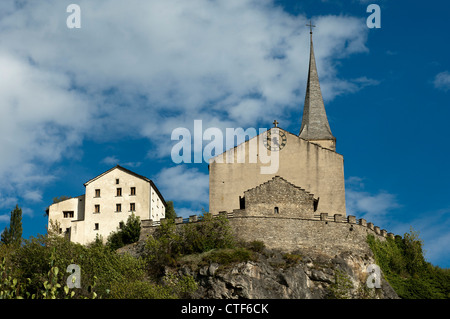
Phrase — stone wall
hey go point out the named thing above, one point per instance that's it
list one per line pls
(318, 170)
(323, 234)
(278, 197)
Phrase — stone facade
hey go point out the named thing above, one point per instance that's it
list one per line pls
(284, 217)
(278, 198)
(109, 199)
(310, 166)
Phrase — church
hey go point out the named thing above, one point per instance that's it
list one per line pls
(307, 160)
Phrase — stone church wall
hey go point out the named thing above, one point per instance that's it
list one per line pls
(323, 234)
(278, 198)
(318, 236)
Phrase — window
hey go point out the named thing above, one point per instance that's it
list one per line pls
(97, 209)
(117, 181)
(97, 193)
(68, 214)
(118, 207)
(119, 192)
(133, 191)
(96, 226)
(132, 207)
(276, 210)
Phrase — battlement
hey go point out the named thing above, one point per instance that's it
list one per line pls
(238, 213)
(321, 233)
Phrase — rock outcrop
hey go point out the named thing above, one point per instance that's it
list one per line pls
(274, 275)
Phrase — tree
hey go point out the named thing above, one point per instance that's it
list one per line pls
(128, 234)
(170, 211)
(13, 235)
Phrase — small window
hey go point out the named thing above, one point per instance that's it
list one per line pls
(96, 226)
(118, 207)
(276, 210)
(119, 192)
(97, 209)
(97, 193)
(121, 225)
(133, 191)
(117, 181)
(132, 207)
(68, 214)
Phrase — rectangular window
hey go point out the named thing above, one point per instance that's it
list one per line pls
(119, 192)
(118, 207)
(132, 207)
(117, 181)
(96, 226)
(133, 191)
(69, 214)
(97, 193)
(97, 209)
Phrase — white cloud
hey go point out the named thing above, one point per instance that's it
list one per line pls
(442, 81)
(182, 184)
(143, 68)
(33, 196)
(110, 160)
(373, 207)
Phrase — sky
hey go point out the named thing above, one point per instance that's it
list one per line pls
(74, 102)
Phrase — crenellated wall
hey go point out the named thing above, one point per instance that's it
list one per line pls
(328, 235)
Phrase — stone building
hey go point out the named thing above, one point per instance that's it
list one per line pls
(278, 198)
(108, 201)
(308, 160)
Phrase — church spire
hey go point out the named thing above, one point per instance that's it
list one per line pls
(315, 127)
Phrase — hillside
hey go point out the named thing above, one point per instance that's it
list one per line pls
(256, 272)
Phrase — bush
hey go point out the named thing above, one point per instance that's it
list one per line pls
(228, 256)
(210, 233)
(128, 234)
(168, 243)
(405, 268)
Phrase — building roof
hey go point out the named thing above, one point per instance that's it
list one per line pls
(315, 124)
(131, 173)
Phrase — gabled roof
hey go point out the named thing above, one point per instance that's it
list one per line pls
(279, 178)
(131, 173)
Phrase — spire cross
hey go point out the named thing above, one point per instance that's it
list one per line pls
(275, 123)
(310, 25)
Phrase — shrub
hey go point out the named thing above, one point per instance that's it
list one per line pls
(405, 268)
(128, 234)
(226, 256)
(210, 233)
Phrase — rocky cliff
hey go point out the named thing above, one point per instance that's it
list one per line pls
(274, 274)
(288, 276)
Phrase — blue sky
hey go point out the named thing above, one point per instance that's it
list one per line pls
(75, 102)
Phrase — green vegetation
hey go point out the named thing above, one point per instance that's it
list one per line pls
(127, 234)
(342, 286)
(169, 243)
(405, 268)
(13, 234)
(170, 211)
(36, 269)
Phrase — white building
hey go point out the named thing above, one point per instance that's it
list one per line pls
(109, 199)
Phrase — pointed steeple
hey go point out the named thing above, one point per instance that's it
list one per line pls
(315, 127)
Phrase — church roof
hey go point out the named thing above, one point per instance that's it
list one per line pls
(278, 178)
(314, 122)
